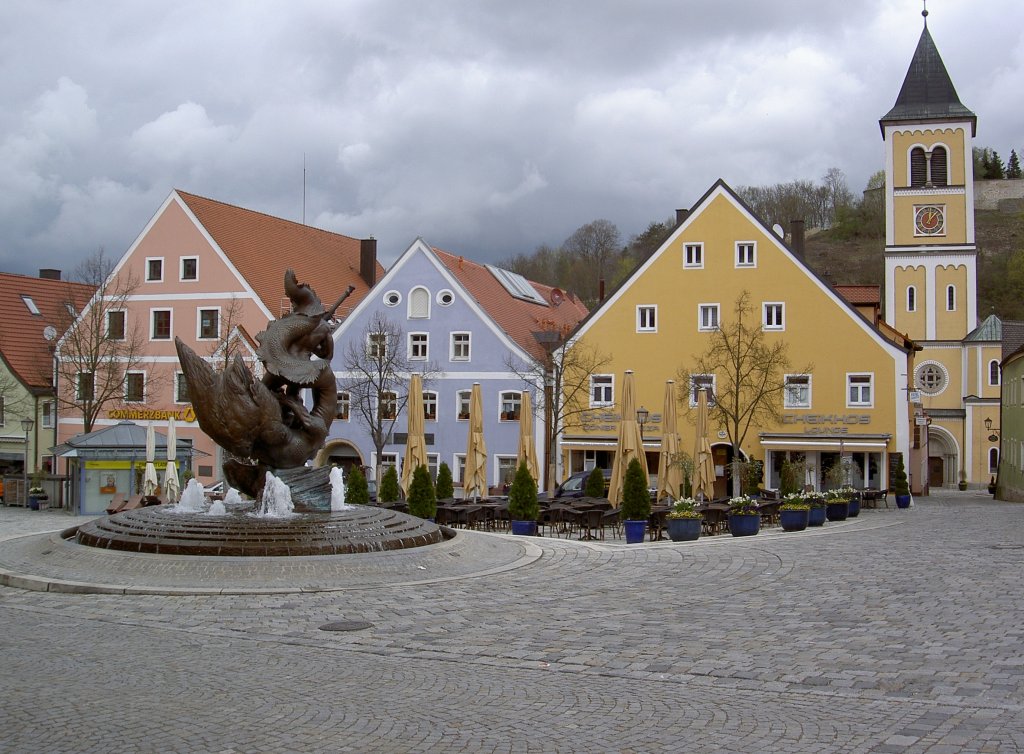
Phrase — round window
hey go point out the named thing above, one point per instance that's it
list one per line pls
(392, 298)
(931, 378)
(445, 298)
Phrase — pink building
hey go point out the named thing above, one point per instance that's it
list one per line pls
(211, 274)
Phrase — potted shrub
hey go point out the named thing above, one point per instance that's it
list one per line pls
(900, 488)
(389, 490)
(357, 492)
(962, 484)
(816, 514)
(837, 507)
(523, 507)
(422, 499)
(744, 520)
(595, 483)
(992, 486)
(445, 486)
(636, 503)
(794, 512)
(684, 521)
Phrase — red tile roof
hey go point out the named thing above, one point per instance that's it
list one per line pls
(861, 295)
(262, 247)
(519, 318)
(22, 344)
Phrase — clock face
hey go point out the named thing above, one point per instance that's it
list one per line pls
(929, 220)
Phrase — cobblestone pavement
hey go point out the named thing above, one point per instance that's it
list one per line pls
(899, 631)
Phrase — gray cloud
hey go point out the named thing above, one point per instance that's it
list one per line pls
(488, 129)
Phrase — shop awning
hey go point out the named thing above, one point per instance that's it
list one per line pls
(804, 441)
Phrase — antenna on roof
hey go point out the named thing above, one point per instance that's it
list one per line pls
(303, 188)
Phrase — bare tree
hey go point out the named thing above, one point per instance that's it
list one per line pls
(100, 345)
(748, 368)
(378, 385)
(564, 381)
(595, 244)
(229, 341)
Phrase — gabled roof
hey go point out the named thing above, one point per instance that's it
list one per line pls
(262, 247)
(928, 92)
(22, 342)
(991, 329)
(861, 295)
(519, 318)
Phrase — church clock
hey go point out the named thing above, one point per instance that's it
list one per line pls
(930, 220)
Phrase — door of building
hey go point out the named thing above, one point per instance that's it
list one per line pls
(936, 471)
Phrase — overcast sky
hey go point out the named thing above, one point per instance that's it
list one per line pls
(488, 128)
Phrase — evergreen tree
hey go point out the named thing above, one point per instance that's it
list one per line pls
(389, 491)
(996, 169)
(356, 490)
(595, 483)
(522, 496)
(445, 486)
(636, 500)
(422, 499)
(1013, 166)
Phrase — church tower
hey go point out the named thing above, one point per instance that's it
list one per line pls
(930, 256)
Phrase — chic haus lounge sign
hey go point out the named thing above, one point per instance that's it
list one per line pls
(827, 424)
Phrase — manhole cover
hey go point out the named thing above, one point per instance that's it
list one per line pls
(346, 625)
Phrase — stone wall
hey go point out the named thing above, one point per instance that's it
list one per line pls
(992, 194)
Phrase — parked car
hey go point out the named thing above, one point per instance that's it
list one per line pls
(575, 484)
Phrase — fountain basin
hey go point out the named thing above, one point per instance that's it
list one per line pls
(238, 534)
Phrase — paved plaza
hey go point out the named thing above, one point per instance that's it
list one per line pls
(898, 631)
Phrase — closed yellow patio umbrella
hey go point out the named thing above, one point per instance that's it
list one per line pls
(415, 443)
(474, 483)
(670, 473)
(630, 443)
(527, 447)
(703, 462)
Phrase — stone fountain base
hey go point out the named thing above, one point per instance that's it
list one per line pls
(239, 534)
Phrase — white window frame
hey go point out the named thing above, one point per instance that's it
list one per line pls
(462, 396)
(134, 400)
(179, 381)
(458, 468)
(392, 298)
(647, 318)
(413, 346)
(504, 460)
(181, 270)
(428, 397)
(145, 274)
(468, 346)
(124, 324)
(513, 397)
(152, 324)
(746, 254)
(780, 321)
(693, 256)
(445, 297)
(716, 309)
(788, 401)
(347, 403)
(374, 346)
(694, 386)
(607, 385)
(424, 296)
(49, 414)
(856, 378)
(993, 460)
(387, 460)
(199, 322)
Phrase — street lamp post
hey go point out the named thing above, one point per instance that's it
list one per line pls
(641, 419)
(26, 424)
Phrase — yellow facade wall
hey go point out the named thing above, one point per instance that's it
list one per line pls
(953, 139)
(912, 323)
(956, 219)
(951, 324)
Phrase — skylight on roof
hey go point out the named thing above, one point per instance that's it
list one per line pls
(31, 305)
(516, 285)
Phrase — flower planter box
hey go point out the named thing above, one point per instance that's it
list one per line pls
(684, 529)
(837, 510)
(816, 517)
(854, 508)
(793, 520)
(903, 501)
(524, 528)
(744, 525)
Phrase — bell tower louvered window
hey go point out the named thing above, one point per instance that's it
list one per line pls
(937, 163)
(419, 303)
(918, 167)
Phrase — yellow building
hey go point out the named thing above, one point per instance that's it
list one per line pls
(931, 275)
(845, 395)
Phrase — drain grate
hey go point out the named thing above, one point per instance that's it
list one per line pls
(346, 625)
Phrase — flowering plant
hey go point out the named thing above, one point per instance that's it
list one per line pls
(794, 501)
(36, 491)
(684, 508)
(742, 506)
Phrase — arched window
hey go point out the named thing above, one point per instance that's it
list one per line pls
(918, 167)
(419, 303)
(993, 372)
(911, 298)
(993, 460)
(950, 298)
(937, 163)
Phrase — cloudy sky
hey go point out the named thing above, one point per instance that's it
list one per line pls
(487, 128)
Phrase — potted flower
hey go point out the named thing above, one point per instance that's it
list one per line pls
(636, 503)
(837, 507)
(744, 520)
(793, 513)
(684, 521)
(36, 492)
(523, 507)
(900, 488)
(816, 515)
(853, 501)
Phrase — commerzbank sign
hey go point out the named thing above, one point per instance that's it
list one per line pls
(152, 414)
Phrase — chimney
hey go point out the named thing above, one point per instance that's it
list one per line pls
(368, 260)
(600, 289)
(49, 274)
(796, 231)
(681, 215)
